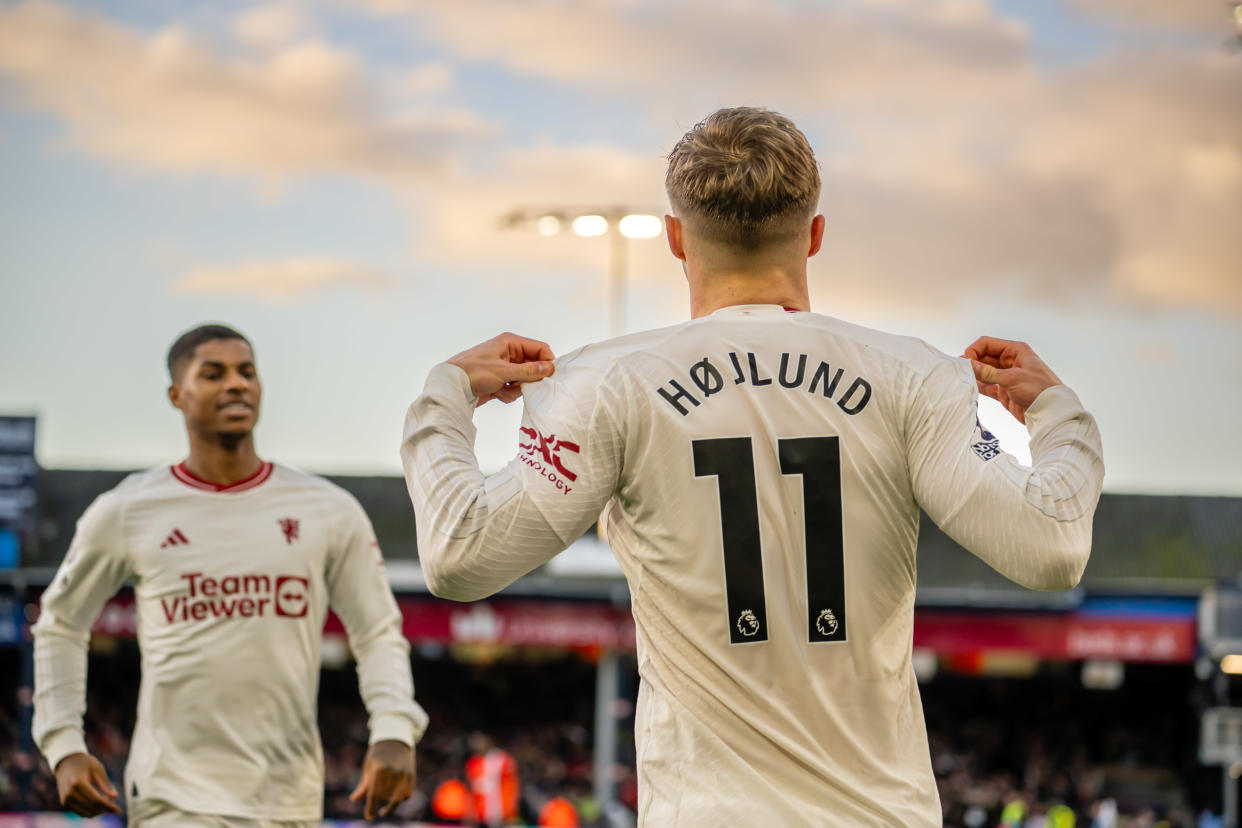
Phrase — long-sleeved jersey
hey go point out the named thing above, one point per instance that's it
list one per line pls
(232, 586)
(761, 473)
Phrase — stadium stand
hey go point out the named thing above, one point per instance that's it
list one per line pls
(522, 670)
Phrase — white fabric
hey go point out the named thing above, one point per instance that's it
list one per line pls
(231, 600)
(151, 813)
(788, 730)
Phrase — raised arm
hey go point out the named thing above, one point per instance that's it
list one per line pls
(1033, 525)
(361, 596)
(478, 534)
(93, 570)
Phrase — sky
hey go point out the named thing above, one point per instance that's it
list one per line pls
(329, 177)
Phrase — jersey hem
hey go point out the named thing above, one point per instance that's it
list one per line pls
(158, 794)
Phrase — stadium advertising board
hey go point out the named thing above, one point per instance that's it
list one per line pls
(1137, 630)
(54, 820)
(19, 487)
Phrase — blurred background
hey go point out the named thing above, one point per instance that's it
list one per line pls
(366, 188)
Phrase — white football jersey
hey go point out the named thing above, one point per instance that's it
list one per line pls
(761, 473)
(232, 586)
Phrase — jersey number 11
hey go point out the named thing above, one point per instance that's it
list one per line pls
(818, 460)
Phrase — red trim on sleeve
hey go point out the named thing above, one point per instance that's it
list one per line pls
(190, 479)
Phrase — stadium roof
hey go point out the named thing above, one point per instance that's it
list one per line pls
(1143, 544)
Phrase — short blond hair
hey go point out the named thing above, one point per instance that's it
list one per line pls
(744, 177)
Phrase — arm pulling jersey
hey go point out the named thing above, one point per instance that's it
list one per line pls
(761, 474)
(232, 587)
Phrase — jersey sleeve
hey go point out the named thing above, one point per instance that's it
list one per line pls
(94, 568)
(478, 534)
(358, 592)
(1032, 525)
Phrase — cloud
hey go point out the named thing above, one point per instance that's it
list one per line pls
(166, 101)
(428, 80)
(955, 164)
(812, 53)
(269, 26)
(282, 279)
(1201, 15)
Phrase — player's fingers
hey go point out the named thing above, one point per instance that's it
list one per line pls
(369, 809)
(993, 375)
(984, 372)
(526, 371)
(99, 778)
(105, 799)
(364, 785)
(523, 348)
(403, 787)
(990, 349)
(533, 349)
(981, 347)
(85, 801)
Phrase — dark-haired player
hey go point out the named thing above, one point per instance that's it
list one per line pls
(234, 563)
(761, 469)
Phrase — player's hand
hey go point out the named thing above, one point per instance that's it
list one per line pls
(1010, 373)
(499, 366)
(83, 786)
(387, 778)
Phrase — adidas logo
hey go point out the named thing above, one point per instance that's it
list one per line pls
(175, 539)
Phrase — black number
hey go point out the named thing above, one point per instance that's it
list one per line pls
(818, 461)
(731, 462)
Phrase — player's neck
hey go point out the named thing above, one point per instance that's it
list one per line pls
(223, 463)
(711, 292)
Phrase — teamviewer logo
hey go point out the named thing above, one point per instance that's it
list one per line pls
(292, 598)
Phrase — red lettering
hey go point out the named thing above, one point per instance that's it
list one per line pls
(224, 608)
(228, 586)
(191, 576)
(209, 587)
(198, 611)
(262, 602)
(256, 583)
(245, 607)
(170, 612)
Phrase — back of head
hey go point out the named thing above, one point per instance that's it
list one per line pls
(744, 178)
(182, 351)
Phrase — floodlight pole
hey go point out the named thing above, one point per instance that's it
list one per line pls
(618, 264)
(606, 679)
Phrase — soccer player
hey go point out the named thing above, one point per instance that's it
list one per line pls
(234, 562)
(761, 469)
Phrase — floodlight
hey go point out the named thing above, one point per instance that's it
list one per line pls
(548, 225)
(590, 225)
(641, 227)
(1231, 664)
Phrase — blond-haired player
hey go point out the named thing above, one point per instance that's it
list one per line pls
(760, 469)
(234, 563)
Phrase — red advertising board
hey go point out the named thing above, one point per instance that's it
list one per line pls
(1069, 636)
(540, 623)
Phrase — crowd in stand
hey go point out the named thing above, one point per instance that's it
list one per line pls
(1031, 754)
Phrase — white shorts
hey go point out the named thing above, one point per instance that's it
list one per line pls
(152, 813)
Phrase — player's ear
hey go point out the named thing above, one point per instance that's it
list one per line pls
(672, 230)
(817, 234)
(174, 395)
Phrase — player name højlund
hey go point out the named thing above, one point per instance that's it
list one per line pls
(238, 596)
(706, 376)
